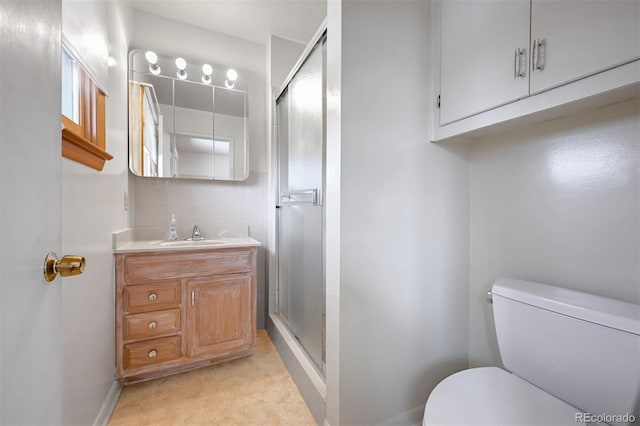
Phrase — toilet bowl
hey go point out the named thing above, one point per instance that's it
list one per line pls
(570, 356)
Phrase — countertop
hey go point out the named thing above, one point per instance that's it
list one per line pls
(160, 245)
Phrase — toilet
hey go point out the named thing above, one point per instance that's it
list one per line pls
(569, 358)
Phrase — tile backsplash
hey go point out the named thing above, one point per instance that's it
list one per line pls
(220, 208)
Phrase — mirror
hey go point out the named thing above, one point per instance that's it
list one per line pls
(193, 127)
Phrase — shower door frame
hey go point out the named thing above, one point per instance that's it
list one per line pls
(318, 42)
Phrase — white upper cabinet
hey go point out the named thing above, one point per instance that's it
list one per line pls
(578, 38)
(484, 49)
(517, 61)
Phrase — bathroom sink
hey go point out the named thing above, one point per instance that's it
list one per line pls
(192, 243)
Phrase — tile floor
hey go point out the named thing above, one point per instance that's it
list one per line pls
(257, 390)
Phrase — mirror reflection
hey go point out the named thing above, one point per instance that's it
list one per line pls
(186, 129)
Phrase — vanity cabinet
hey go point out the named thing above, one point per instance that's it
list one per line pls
(179, 310)
(219, 309)
(497, 52)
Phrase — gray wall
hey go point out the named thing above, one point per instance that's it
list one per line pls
(555, 202)
(404, 223)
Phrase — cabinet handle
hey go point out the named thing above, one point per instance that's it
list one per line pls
(152, 325)
(542, 51)
(538, 51)
(152, 353)
(193, 298)
(153, 297)
(518, 68)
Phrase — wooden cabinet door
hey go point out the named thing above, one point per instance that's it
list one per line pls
(583, 37)
(221, 315)
(479, 42)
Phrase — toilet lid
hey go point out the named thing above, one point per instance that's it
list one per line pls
(492, 396)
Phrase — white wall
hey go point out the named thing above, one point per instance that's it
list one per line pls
(217, 206)
(93, 208)
(556, 202)
(403, 236)
(84, 27)
(284, 55)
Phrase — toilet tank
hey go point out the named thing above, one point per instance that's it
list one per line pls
(582, 348)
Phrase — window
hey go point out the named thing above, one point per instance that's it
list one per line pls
(83, 116)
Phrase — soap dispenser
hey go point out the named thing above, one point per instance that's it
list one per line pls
(173, 229)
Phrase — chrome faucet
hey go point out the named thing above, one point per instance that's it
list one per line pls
(195, 235)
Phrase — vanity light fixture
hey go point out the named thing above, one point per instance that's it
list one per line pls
(181, 65)
(232, 76)
(207, 70)
(152, 58)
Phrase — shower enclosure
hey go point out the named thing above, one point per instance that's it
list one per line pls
(300, 213)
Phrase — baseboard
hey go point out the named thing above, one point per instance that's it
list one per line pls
(109, 404)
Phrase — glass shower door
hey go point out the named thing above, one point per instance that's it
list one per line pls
(300, 213)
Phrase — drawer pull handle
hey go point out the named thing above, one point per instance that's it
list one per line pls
(153, 353)
(153, 297)
(152, 325)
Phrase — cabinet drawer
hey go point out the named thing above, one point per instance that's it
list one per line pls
(143, 269)
(151, 324)
(151, 352)
(151, 297)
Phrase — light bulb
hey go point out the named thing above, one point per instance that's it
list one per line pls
(232, 74)
(229, 84)
(207, 70)
(181, 64)
(151, 57)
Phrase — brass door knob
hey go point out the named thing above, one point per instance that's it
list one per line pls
(66, 267)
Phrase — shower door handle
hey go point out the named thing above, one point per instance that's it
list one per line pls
(303, 197)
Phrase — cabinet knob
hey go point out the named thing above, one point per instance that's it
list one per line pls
(153, 353)
(152, 325)
(153, 297)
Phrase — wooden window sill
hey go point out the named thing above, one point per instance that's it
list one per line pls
(77, 148)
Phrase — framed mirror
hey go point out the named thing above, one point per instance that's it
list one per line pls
(186, 120)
